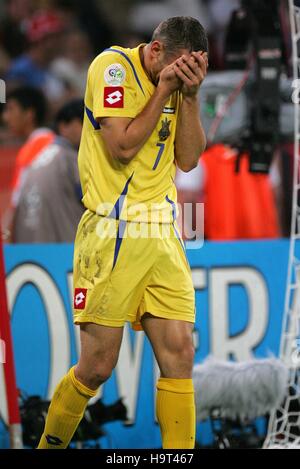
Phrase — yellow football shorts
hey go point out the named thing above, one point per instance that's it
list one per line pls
(124, 269)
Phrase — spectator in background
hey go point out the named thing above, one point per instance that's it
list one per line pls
(89, 17)
(12, 37)
(24, 116)
(43, 33)
(72, 66)
(50, 205)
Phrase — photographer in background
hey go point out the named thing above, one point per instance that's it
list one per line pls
(50, 206)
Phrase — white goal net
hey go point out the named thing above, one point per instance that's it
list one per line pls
(284, 425)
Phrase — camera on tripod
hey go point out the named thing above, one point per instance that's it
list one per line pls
(256, 106)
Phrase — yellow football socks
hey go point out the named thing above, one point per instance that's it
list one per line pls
(65, 412)
(175, 409)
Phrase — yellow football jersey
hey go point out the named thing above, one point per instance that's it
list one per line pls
(144, 189)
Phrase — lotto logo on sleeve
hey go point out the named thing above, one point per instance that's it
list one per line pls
(114, 96)
(80, 298)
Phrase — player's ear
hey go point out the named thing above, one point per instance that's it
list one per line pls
(156, 48)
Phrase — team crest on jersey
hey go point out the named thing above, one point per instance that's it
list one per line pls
(80, 298)
(164, 132)
(114, 96)
(114, 74)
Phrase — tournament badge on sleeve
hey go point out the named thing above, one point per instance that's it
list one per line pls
(114, 74)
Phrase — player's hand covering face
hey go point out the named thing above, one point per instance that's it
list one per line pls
(191, 71)
(168, 80)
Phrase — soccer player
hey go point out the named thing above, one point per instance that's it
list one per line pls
(142, 118)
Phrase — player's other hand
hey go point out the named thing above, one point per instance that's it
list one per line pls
(191, 71)
(169, 82)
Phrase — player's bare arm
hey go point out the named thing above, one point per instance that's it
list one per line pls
(190, 139)
(124, 137)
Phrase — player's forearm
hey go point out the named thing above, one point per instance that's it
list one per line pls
(141, 127)
(190, 139)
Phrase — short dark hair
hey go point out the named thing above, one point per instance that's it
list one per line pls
(72, 110)
(181, 32)
(29, 97)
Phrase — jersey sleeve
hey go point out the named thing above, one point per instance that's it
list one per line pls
(112, 87)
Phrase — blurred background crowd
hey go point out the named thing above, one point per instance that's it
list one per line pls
(46, 47)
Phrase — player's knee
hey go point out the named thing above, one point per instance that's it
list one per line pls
(187, 355)
(179, 360)
(94, 376)
(183, 349)
(101, 373)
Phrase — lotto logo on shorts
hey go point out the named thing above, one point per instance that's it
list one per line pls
(80, 298)
(114, 96)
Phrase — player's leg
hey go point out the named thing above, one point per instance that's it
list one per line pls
(100, 346)
(172, 344)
